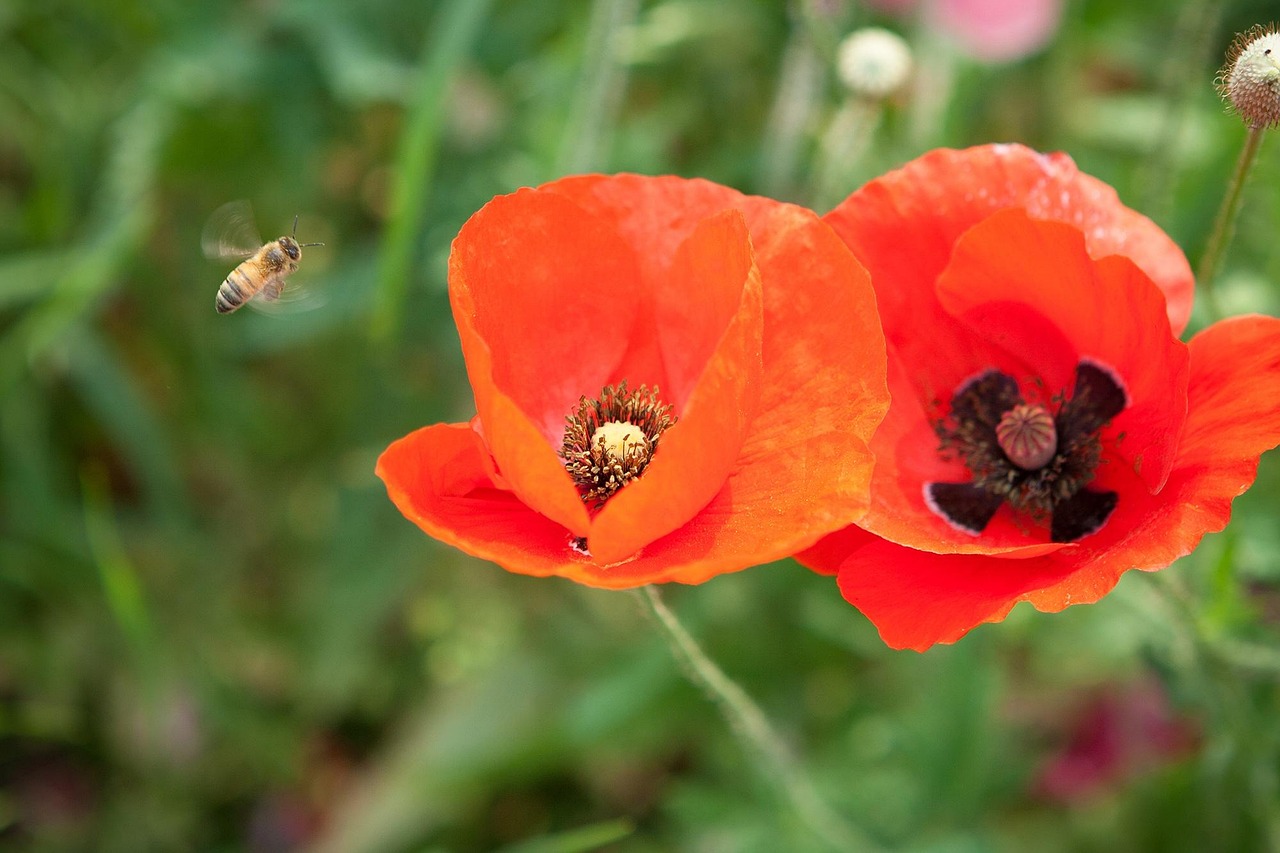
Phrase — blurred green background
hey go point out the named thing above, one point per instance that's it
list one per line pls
(216, 633)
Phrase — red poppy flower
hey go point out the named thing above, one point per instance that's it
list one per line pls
(672, 381)
(1048, 430)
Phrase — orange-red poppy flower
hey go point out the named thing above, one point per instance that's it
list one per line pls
(746, 335)
(1048, 430)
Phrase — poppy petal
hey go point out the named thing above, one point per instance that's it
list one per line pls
(1232, 420)
(1235, 383)
(716, 274)
(902, 225)
(805, 467)
(656, 213)
(565, 274)
(1103, 312)
(917, 599)
(554, 299)
(436, 477)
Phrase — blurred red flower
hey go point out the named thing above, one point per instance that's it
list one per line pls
(746, 335)
(1048, 431)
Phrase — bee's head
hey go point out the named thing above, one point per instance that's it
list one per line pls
(292, 247)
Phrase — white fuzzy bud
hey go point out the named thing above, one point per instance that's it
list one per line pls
(873, 62)
(1250, 81)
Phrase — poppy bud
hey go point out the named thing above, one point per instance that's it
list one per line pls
(1250, 80)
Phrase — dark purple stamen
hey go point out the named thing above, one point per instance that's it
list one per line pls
(1048, 486)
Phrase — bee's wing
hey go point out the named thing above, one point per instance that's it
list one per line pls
(230, 232)
(277, 298)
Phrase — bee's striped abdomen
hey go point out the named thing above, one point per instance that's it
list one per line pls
(237, 289)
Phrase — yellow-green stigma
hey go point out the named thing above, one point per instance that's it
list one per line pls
(609, 441)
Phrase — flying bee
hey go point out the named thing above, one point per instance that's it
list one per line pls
(260, 277)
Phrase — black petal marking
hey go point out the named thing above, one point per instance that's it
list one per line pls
(985, 398)
(1081, 514)
(963, 505)
(1099, 396)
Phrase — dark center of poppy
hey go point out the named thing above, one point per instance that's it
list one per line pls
(609, 441)
(1038, 461)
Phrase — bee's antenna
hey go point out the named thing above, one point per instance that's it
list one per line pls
(295, 226)
(304, 245)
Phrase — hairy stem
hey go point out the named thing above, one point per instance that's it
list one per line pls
(752, 728)
(1224, 224)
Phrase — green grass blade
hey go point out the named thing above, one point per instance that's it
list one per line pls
(459, 25)
(579, 840)
(121, 587)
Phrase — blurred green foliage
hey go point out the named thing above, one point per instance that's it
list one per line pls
(215, 631)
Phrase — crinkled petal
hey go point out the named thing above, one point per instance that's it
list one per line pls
(916, 598)
(655, 213)
(1232, 419)
(903, 225)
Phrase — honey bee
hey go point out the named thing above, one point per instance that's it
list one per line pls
(260, 278)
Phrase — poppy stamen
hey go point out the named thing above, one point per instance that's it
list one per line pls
(609, 441)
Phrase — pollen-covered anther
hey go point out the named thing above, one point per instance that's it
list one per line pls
(1250, 81)
(1027, 436)
(609, 441)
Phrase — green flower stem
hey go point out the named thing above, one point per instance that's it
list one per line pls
(1224, 225)
(800, 77)
(749, 724)
(843, 145)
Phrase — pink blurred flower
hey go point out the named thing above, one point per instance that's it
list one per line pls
(996, 30)
(986, 30)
